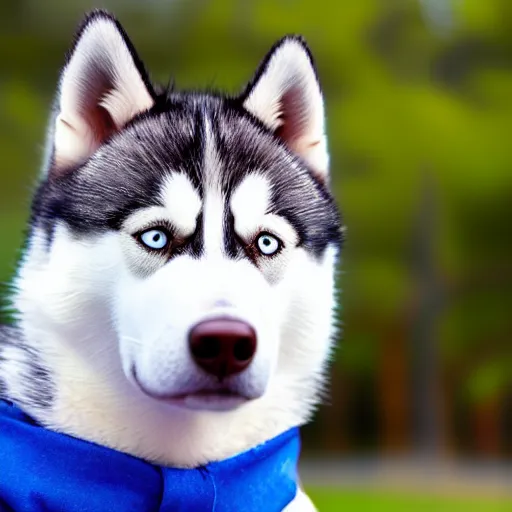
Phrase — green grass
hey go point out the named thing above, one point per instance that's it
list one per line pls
(330, 500)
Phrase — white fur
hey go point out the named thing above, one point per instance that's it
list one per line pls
(101, 73)
(301, 118)
(182, 202)
(250, 203)
(301, 503)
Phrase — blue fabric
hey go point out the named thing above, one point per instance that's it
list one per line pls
(44, 471)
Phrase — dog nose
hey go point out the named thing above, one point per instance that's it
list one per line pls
(222, 347)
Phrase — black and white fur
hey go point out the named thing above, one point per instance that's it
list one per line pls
(96, 307)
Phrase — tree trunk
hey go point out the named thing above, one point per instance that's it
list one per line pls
(426, 375)
(487, 427)
(393, 383)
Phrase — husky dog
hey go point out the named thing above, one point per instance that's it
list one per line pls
(175, 297)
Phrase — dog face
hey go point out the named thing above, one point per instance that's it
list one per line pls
(183, 246)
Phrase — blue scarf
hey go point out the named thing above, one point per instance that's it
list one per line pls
(44, 471)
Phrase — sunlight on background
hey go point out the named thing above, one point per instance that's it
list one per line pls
(419, 111)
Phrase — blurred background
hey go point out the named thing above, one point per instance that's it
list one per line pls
(419, 110)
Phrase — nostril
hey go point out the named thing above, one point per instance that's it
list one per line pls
(209, 347)
(243, 349)
(222, 346)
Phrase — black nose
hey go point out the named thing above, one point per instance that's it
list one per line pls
(223, 346)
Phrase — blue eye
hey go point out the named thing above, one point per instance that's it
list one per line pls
(268, 244)
(155, 239)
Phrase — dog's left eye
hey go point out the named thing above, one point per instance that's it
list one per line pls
(268, 244)
(156, 239)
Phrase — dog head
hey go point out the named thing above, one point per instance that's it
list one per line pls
(180, 267)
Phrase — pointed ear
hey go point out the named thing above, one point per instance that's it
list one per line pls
(103, 86)
(285, 95)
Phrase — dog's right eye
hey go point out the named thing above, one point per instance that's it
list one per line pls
(268, 244)
(156, 239)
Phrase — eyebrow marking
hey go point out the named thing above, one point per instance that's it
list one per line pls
(181, 201)
(250, 202)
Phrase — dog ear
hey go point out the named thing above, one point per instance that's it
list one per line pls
(102, 86)
(286, 96)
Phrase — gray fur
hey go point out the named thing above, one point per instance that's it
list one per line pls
(129, 168)
(35, 389)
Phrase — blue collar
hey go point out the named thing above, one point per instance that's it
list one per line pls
(41, 470)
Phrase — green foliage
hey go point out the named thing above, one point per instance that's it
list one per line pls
(489, 379)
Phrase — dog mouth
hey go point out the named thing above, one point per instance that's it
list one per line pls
(214, 399)
(206, 399)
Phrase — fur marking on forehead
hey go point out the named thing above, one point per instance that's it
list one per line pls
(214, 197)
(250, 202)
(181, 200)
